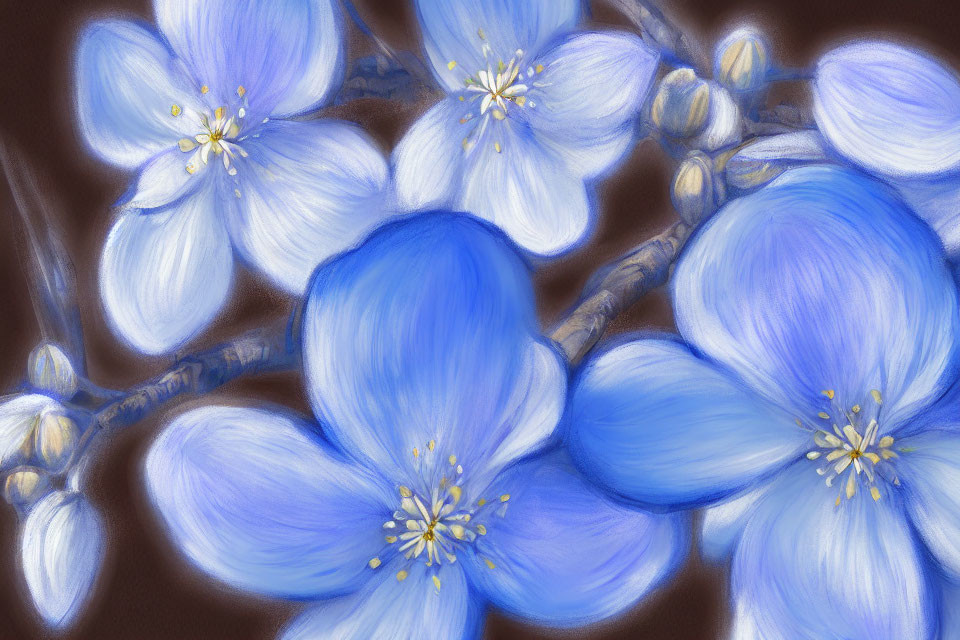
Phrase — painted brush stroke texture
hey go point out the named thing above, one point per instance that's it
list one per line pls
(200, 110)
(533, 112)
(435, 486)
(820, 326)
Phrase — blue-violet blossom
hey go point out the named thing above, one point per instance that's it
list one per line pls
(433, 492)
(200, 110)
(532, 112)
(894, 111)
(813, 400)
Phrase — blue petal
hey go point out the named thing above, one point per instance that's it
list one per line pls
(807, 569)
(928, 466)
(457, 30)
(412, 609)
(588, 98)
(949, 611)
(61, 551)
(823, 280)
(288, 55)
(937, 201)
(427, 332)
(516, 182)
(162, 180)
(890, 109)
(428, 160)
(652, 422)
(127, 84)
(165, 275)
(563, 554)
(258, 500)
(307, 191)
(723, 523)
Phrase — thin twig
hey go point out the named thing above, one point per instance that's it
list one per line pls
(629, 279)
(52, 280)
(259, 351)
(673, 42)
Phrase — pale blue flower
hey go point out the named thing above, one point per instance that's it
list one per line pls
(200, 110)
(894, 111)
(532, 114)
(433, 489)
(813, 400)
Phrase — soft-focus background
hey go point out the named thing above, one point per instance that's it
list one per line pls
(148, 592)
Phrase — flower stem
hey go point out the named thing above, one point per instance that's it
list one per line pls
(624, 283)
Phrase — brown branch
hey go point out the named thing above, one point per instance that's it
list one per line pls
(629, 279)
(259, 351)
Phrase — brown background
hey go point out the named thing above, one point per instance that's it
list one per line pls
(146, 590)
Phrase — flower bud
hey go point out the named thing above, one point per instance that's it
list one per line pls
(54, 439)
(50, 369)
(681, 105)
(692, 190)
(741, 61)
(25, 485)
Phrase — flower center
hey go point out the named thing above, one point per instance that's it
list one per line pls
(500, 88)
(854, 449)
(434, 525)
(219, 135)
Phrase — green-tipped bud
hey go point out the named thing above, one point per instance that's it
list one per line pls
(681, 105)
(54, 439)
(742, 61)
(25, 485)
(692, 191)
(50, 369)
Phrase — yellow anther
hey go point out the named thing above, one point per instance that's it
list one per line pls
(451, 64)
(457, 531)
(457, 493)
(401, 576)
(521, 100)
(489, 563)
(481, 502)
(497, 147)
(452, 460)
(416, 452)
(191, 169)
(175, 110)
(236, 192)
(374, 563)
(432, 445)
(219, 112)
(538, 68)
(241, 91)
(482, 530)
(828, 392)
(460, 98)
(482, 35)
(405, 492)
(204, 89)
(504, 497)
(837, 502)
(885, 441)
(499, 115)
(823, 415)
(436, 582)
(876, 396)
(391, 539)
(875, 493)
(856, 408)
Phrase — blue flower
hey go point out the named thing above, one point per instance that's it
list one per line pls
(432, 492)
(895, 112)
(200, 110)
(531, 113)
(812, 400)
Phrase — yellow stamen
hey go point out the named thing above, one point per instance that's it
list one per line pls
(391, 539)
(374, 563)
(538, 68)
(489, 563)
(875, 493)
(436, 582)
(828, 392)
(405, 492)
(876, 396)
(401, 576)
(504, 497)
(431, 445)
(452, 460)
(241, 91)
(482, 530)
(481, 502)
(175, 110)
(497, 147)
(204, 89)
(451, 64)
(824, 415)
(416, 452)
